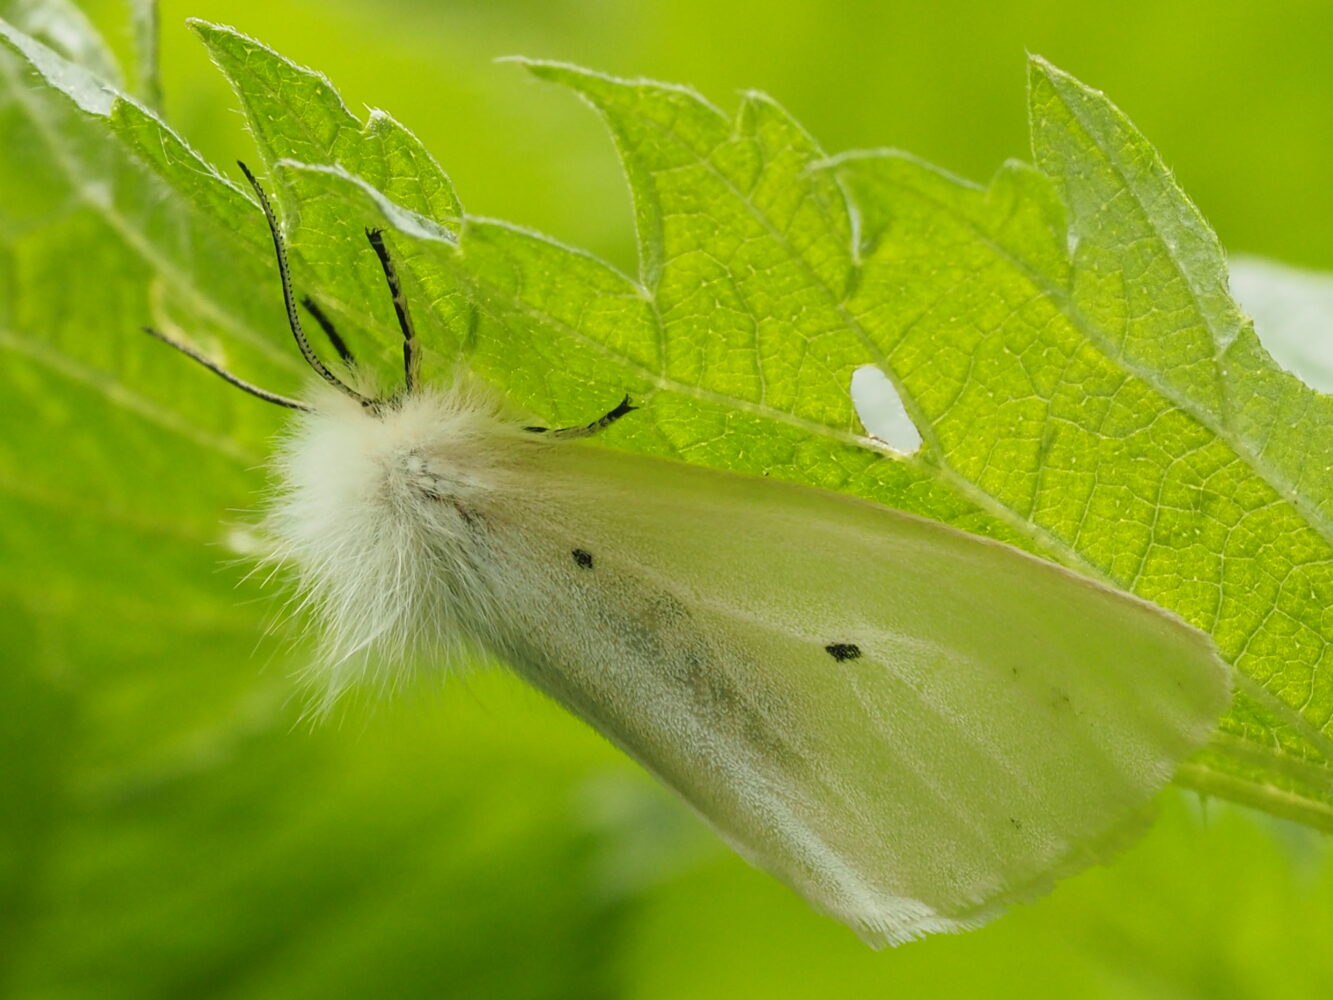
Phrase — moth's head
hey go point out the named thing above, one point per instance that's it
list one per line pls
(417, 455)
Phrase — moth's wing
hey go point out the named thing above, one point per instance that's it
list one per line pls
(912, 726)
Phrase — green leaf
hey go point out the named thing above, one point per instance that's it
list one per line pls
(295, 114)
(1062, 338)
(1108, 407)
(1062, 402)
(1069, 338)
(1041, 426)
(1152, 284)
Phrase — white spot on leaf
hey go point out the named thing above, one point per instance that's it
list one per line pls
(1293, 316)
(881, 410)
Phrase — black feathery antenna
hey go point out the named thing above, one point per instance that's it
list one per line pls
(226, 376)
(410, 362)
(335, 338)
(289, 300)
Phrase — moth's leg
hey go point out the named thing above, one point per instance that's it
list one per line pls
(410, 363)
(601, 423)
(326, 325)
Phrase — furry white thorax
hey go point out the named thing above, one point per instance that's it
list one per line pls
(371, 512)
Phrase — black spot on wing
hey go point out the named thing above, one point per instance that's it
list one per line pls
(583, 557)
(842, 651)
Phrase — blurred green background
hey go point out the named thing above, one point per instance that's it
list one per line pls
(168, 826)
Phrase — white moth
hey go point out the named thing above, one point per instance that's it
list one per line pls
(911, 726)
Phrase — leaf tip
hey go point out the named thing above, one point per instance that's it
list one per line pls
(212, 34)
(202, 27)
(751, 96)
(1062, 81)
(551, 69)
(1041, 68)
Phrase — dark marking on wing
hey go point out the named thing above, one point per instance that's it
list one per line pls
(695, 670)
(471, 516)
(583, 557)
(842, 651)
